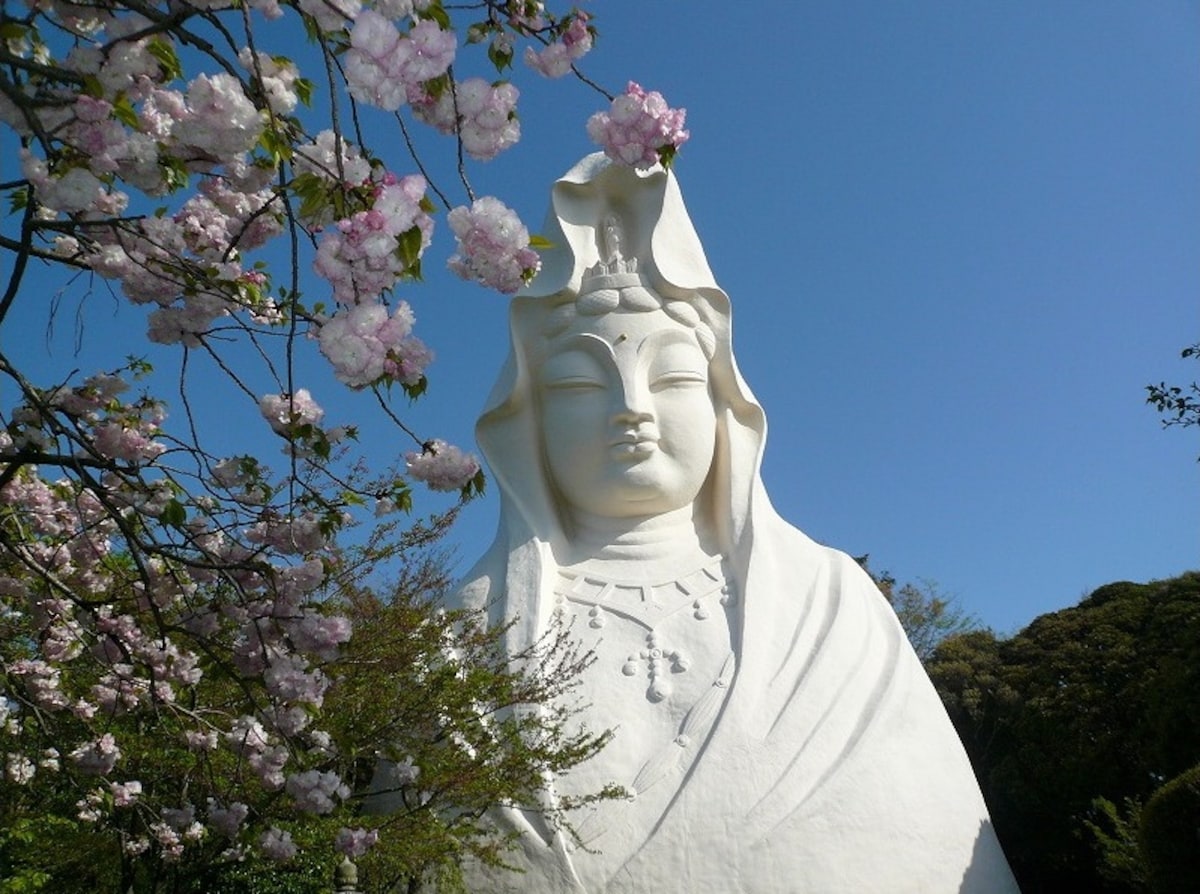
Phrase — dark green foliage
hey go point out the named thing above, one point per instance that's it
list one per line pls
(1170, 835)
(1095, 701)
(36, 852)
(1115, 831)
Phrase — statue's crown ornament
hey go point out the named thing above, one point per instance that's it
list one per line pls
(614, 280)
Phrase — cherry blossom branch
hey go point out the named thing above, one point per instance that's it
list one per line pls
(387, 411)
(15, 246)
(412, 152)
(22, 260)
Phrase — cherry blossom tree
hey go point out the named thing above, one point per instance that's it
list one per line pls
(174, 623)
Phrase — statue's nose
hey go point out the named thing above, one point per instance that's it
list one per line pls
(630, 415)
(633, 404)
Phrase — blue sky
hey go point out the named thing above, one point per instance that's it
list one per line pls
(959, 240)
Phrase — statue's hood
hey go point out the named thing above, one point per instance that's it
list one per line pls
(659, 234)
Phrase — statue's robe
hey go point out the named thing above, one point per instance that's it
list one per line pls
(832, 766)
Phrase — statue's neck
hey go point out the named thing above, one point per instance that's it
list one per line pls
(656, 546)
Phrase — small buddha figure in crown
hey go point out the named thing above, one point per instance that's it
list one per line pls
(610, 254)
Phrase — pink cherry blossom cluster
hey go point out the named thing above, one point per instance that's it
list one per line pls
(483, 115)
(316, 792)
(528, 16)
(442, 466)
(277, 844)
(286, 413)
(330, 15)
(493, 246)
(227, 821)
(388, 69)
(361, 256)
(249, 739)
(573, 43)
(278, 77)
(639, 129)
(219, 122)
(355, 842)
(332, 157)
(383, 65)
(365, 345)
(125, 794)
(120, 431)
(99, 757)
(146, 133)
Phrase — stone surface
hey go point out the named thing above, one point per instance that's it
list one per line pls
(774, 728)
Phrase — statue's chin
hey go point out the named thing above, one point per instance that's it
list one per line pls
(635, 494)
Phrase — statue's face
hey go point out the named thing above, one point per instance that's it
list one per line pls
(627, 417)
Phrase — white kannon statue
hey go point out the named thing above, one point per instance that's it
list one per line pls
(773, 727)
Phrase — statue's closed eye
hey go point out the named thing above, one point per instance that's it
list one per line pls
(574, 369)
(573, 383)
(679, 378)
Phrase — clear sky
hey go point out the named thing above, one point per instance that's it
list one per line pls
(959, 238)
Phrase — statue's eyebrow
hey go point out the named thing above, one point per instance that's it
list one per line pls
(663, 337)
(587, 341)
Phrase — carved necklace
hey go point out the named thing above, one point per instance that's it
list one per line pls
(703, 592)
(647, 605)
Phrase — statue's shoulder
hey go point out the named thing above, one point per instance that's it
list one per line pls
(859, 586)
(480, 586)
(829, 573)
(812, 560)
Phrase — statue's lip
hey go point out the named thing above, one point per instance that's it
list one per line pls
(634, 438)
(634, 444)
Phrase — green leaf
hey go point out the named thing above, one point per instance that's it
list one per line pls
(139, 366)
(415, 390)
(311, 30)
(474, 487)
(18, 199)
(164, 52)
(252, 294)
(435, 12)
(501, 58)
(173, 514)
(174, 173)
(312, 192)
(12, 31)
(409, 249)
(304, 90)
(403, 500)
(539, 241)
(278, 146)
(435, 87)
(124, 112)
